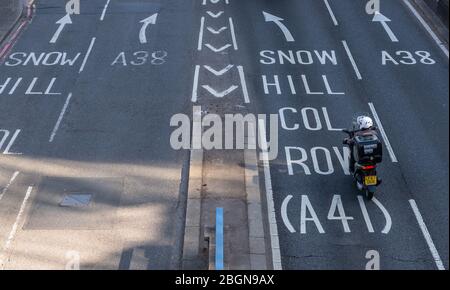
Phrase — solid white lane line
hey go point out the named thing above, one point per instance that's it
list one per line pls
(331, 13)
(352, 60)
(200, 35)
(61, 115)
(233, 34)
(104, 10)
(87, 55)
(273, 228)
(195, 85)
(243, 84)
(13, 232)
(383, 133)
(426, 235)
(9, 184)
(427, 27)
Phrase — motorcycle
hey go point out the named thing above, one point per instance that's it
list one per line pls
(367, 153)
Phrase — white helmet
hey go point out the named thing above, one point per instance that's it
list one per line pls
(364, 122)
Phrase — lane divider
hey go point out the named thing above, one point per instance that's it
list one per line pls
(219, 238)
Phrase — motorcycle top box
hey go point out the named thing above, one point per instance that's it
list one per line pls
(368, 149)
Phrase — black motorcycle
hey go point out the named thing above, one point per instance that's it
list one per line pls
(367, 152)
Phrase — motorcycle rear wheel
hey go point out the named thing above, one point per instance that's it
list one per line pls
(369, 194)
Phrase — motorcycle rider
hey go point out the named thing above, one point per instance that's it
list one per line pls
(365, 125)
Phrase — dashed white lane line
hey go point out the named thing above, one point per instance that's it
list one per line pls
(61, 116)
(200, 35)
(427, 27)
(195, 86)
(91, 45)
(233, 34)
(102, 17)
(383, 134)
(13, 232)
(352, 60)
(273, 227)
(243, 84)
(9, 184)
(331, 13)
(426, 235)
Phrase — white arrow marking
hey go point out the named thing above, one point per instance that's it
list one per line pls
(146, 22)
(214, 15)
(387, 216)
(221, 72)
(284, 215)
(62, 22)
(277, 20)
(219, 94)
(214, 31)
(217, 49)
(384, 20)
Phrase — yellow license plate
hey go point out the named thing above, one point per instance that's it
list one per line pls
(371, 180)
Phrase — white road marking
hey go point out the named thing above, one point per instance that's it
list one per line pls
(61, 115)
(331, 13)
(91, 45)
(214, 15)
(273, 227)
(102, 17)
(352, 60)
(215, 1)
(195, 86)
(383, 133)
(284, 214)
(365, 214)
(145, 23)
(378, 17)
(387, 216)
(426, 235)
(217, 50)
(62, 23)
(243, 84)
(278, 21)
(220, 94)
(216, 31)
(233, 34)
(427, 27)
(200, 35)
(218, 73)
(9, 184)
(13, 232)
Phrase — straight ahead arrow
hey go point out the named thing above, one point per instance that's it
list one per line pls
(378, 17)
(62, 22)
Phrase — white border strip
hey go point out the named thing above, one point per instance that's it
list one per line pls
(352, 60)
(426, 235)
(427, 27)
(383, 133)
(274, 240)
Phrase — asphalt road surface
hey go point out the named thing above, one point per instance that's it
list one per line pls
(85, 110)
